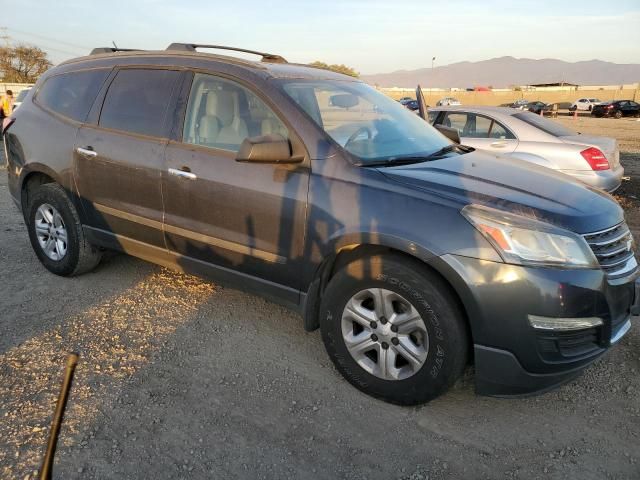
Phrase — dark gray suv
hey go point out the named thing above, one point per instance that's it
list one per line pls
(414, 255)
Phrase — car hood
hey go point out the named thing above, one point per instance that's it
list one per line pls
(607, 145)
(513, 186)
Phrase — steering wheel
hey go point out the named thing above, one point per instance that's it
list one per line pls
(355, 134)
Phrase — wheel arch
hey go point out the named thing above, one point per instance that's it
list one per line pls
(31, 180)
(348, 253)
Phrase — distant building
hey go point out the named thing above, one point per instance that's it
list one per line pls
(557, 84)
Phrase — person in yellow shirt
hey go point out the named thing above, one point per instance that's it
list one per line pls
(6, 104)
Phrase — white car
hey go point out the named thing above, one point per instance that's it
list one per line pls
(585, 104)
(20, 98)
(446, 101)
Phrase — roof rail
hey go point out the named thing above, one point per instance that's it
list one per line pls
(98, 50)
(191, 47)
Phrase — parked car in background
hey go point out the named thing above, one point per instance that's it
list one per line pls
(520, 104)
(585, 104)
(404, 100)
(412, 105)
(536, 106)
(617, 109)
(526, 136)
(448, 101)
(20, 98)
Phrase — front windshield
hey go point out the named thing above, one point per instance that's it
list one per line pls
(365, 122)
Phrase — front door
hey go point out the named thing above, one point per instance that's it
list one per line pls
(118, 161)
(480, 131)
(243, 218)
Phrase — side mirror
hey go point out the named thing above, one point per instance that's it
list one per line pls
(266, 149)
(451, 133)
(344, 100)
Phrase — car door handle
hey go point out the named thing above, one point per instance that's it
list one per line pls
(87, 152)
(498, 144)
(182, 173)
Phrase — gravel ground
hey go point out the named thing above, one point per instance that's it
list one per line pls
(181, 378)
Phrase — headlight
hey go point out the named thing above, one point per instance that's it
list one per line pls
(523, 240)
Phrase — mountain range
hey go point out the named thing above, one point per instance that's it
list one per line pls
(507, 71)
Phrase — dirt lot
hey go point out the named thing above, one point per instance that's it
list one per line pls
(180, 378)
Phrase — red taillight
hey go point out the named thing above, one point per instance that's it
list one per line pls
(595, 158)
(609, 106)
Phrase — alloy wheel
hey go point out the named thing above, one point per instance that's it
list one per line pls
(51, 232)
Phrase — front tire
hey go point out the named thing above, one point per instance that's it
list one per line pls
(394, 329)
(56, 233)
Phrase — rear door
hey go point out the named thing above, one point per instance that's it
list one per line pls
(481, 131)
(629, 108)
(119, 159)
(222, 215)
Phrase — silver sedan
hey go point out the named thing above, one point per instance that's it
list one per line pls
(526, 136)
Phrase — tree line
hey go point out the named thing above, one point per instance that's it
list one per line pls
(25, 63)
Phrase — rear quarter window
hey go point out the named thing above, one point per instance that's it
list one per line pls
(544, 124)
(71, 94)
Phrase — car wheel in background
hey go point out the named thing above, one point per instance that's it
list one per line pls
(56, 233)
(618, 114)
(590, 107)
(394, 329)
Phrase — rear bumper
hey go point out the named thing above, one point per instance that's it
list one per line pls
(512, 357)
(607, 180)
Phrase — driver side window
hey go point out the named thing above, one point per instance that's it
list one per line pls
(222, 113)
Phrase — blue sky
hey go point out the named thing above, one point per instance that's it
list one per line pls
(371, 36)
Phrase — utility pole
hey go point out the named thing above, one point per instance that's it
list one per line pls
(433, 59)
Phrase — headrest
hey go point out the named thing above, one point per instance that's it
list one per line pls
(224, 105)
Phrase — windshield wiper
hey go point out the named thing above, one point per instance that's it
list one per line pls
(406, 160)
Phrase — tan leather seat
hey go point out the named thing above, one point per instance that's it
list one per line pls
(222, 123)
(271, 126)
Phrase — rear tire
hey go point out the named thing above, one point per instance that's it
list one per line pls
(618, 114)
(412, 364)
(56, 233)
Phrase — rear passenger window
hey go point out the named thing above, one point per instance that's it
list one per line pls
(137, 101)
(71, 94)
(222, 113)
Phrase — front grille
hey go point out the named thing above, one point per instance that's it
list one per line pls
(613, 248)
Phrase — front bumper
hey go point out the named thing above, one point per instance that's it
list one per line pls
(511, 356)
